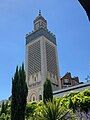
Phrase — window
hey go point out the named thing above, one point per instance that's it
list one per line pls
(37, 26)
(40, 97)
(35, 79)
(54, 76)
(32, 76)
(37, 76)
(33, 98)
(66, 81)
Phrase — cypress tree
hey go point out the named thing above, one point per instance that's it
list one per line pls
(2, 108)
(47, 91)
(19, 94)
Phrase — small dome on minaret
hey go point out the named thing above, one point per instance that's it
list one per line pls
(40, 22)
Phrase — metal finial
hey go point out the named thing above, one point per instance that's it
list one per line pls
(39, 12)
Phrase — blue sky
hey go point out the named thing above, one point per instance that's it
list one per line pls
(66, 19)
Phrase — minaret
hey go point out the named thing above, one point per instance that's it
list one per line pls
(41, 59)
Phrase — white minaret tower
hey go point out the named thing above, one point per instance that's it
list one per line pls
(41, 59)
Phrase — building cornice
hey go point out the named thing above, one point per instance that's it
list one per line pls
(41, 32)
(72, 88)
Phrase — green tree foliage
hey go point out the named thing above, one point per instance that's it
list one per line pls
(33, 109)
(30, 110)
(47, 92)
(73, 106)
(55, 111)
(2, 108)
(64, 108)
(19, 95)
(5, 111)
(79, 102)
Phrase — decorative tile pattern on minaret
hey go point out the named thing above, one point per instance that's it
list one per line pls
(41, 59)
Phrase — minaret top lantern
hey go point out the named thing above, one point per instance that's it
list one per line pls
(40, 22)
